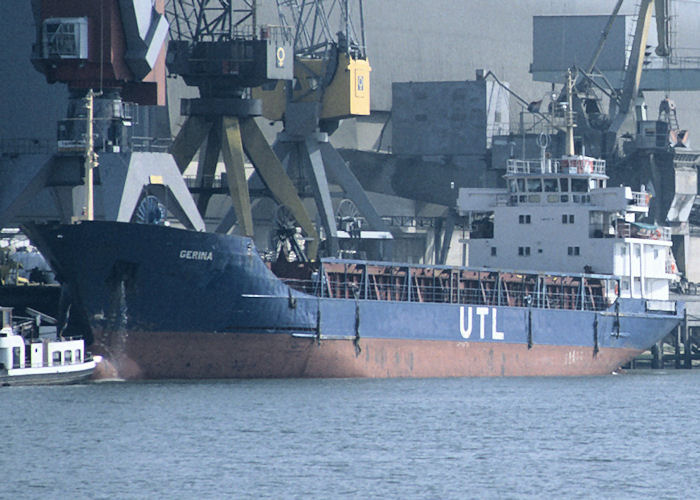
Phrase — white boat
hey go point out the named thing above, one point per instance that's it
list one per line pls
(31, 361)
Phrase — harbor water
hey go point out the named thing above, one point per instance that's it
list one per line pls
(619, 436)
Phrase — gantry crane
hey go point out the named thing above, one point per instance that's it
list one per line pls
(113, 52)
(219, 48)
(331, 82)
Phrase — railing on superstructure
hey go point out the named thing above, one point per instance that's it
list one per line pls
(564, 166)
(629, 230)
(343, 279)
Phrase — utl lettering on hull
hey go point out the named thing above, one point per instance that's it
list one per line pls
(482, 312)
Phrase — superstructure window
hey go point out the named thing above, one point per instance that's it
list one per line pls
(573, 251)
(567, 219)
(534, 185)
(596, 225)
(550, 185)
(579, 185)
(493, 251)
(524, 251)
(524, 219)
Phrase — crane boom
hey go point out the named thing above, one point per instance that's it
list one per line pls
(633, 73)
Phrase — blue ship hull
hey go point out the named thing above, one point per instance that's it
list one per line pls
(169, 303)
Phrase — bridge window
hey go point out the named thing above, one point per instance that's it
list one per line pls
(534, 185)
(564, 185)
(550, 185)
(579, 185)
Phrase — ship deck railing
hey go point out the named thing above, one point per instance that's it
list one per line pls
(362, 281)
(549, 166)
(649, 232)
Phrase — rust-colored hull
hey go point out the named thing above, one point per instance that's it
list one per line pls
(155, 355)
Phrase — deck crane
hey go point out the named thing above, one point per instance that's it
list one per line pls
(331, 82)
(218, 47)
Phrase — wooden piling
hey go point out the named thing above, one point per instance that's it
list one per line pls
(677, 344)
(687, 354)
(657, 355)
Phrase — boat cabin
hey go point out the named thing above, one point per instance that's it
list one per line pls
(561, 216)
(17, 352)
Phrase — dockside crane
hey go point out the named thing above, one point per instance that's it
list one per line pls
(218, 47)
(110, 54)
(331, 82)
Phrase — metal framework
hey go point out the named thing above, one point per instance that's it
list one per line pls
(211, 20)
(311, 22)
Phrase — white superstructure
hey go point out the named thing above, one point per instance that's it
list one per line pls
(40, 361)
(560, 216)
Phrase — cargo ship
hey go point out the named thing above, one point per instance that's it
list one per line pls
(570, 282)
(164, 302)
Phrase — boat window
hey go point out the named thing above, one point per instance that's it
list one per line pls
(534, 185)
(574, 250)
(512, 186)
(524, 219)
(552, 198)
(6, 318)
(533, 198)
(596, 224)
(550, 185)
(68, 357)
(16, 357)
(493, 251)
(521, 185)
(524, 251)
(565, 198)
(56, 358)
(579, 185)
(482, 226)
(567, 218)
(78, 356)
(592, 183)
(564, 184)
